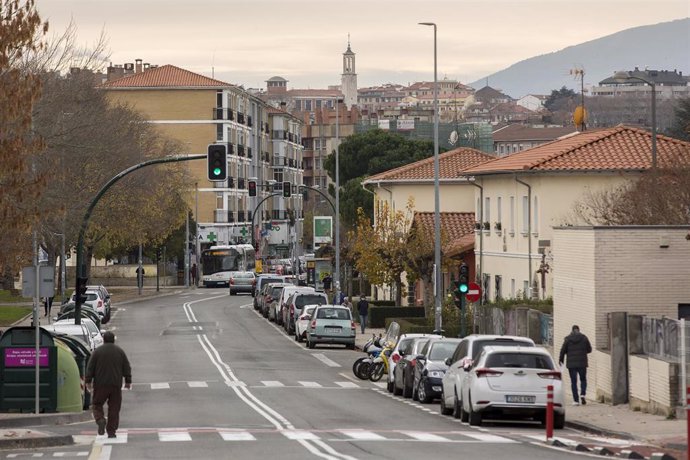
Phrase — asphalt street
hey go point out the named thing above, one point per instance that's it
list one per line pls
(213, 379)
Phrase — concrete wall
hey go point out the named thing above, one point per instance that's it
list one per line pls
(653, 385)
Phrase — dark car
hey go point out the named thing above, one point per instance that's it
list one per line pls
(261, 281)
(431, 367)
(403, 374)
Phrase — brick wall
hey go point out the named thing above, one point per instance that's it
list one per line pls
(638, 371)
(600, 363)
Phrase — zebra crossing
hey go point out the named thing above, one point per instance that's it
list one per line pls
(307, 384)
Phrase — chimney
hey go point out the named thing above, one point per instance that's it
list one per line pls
(129, 68)
(146, 66)
(137, 66)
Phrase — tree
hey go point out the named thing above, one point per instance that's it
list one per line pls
(681, 125)
(558, 98)
(20, 32)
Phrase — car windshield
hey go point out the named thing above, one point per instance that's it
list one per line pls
(480, 344)
(440, 351)
(270, 280)
(310, 310)
(276, 292)
(333, 313)
(522, 360)
(242, 275)
(303, 300)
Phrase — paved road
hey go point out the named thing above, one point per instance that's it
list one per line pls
(212, 379)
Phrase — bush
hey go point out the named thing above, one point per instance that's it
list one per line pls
(378, 315)
(421, 326)
(383, 303)
(544, 306)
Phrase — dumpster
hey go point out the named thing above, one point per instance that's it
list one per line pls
(18, 372)
(70, 393)
(81, 355)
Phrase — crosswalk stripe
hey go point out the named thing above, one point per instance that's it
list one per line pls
(197, 384)
(486, 437)
(362, 435)
(121, 439)
(425, 436)
(299, 435)
(347, 384)
(272, 383)
(173, 436)
(310, 384)
(160, 386)
(237, 436)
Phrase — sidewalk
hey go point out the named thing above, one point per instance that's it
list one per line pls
(14, 431)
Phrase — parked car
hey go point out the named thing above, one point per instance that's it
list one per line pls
(297, 300)
(431, 367)
(467, 352)
(272, 297)
(95, 299)
(403, 341)
(511, 381)
(302, 323)
(261, 281)
(79, 331)
(331, 324)
(96, 333)
(403, 372)
(106, 296)
(67, 312)
(242, 282)
(280, 304)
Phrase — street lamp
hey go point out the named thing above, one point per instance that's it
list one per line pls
(626, 76)
(437, 211)
(337, 200)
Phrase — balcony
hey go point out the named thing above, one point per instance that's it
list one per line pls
(240, 183)
(249, 121)
(220, 113)
(249, 152)
(240, 216)
(240, 118)
(240, 150)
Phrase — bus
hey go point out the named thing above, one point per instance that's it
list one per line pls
(218, 261)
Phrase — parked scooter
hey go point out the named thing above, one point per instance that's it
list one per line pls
(361, 366)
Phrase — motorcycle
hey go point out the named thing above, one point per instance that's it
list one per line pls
(361, 366)
(380, 364)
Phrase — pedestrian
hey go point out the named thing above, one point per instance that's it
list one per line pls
(140, 276)
(347, 303)
(363, 310)
(576, 347)
(193, 273)
(107, 367)
(327, 280)
(47, 305)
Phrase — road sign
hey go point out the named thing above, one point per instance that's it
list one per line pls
(46, 279)
(474, 292)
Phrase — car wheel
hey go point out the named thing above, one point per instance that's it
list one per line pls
(558, 421)
(406, 390)
(475, 418)
(311, 344)
(390, 386)
(396, 391)
(232, 292)
(456, 407)
(445, 410)
(350, 346)
(464, 416)
(415, 392)
(424, 397)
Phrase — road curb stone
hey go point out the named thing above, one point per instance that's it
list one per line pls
(50, 440)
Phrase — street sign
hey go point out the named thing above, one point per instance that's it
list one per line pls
(474, 293)
(47, 279)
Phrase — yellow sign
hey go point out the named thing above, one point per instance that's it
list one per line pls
(311, 264)
(259, 266)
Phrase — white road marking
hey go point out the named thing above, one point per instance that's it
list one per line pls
(197, 384)
(121, 439)
(160, 386)
(272, 383)
(70, 454)
(297, 435)
(105, 452)
(324, 359)
(235, 384)
(174, 436)
(362, 435)
(428, 437)
(567, 442)
(485, 437)
(237, 436)
(40, 454)
(347, 384)
(310, 384)
(380, 384)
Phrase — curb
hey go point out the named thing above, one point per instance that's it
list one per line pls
(19, 321)
(31, 420)
(599, 431)
(43, 441)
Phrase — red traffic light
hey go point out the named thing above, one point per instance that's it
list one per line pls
(252, 188)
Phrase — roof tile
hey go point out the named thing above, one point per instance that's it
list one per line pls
(458, 227)
(165, 76)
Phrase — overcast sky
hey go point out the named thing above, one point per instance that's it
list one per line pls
(248, 41)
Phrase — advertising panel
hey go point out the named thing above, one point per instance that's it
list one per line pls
(25, 357)
(405, 125)
(323, 229)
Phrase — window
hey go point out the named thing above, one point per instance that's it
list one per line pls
(278, 175)
(498, 282)
(298, 105)
(219, 131)
(525, 289)
(487, 209)
(525, 214)
(219, 99)
(219, 201)
(512, 288)
(512, 214)
(535, 215)
(478, 211)
(307, 105)
(498, 209)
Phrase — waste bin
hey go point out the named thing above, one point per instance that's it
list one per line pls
(70, 394)
(81, 355)
(18, 372)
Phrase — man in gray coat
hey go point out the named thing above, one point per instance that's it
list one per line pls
(576, 346)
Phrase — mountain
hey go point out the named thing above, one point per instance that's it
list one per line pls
(663, 46)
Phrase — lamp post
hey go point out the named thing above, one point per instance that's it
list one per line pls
(626, 76)
(337, 200)
(437, 213)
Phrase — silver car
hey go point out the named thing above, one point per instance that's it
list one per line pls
(331, 324)
(242, 282)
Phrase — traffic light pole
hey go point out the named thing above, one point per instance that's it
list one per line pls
(254, 215)
(81, 269)
(320, 193)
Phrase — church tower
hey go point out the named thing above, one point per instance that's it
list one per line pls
(349, 77)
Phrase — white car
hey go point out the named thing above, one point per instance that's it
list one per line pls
(510, 381)
(96, 300)
(302, 323)
(96, 334)
(403, 342)
(79, 331)
(280, 304)
(469, 349)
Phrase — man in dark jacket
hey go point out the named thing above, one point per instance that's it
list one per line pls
(107, 367)
(363, 310)
(576, 346)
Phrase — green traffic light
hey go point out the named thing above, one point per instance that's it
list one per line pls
(216, 171)
(463, 288)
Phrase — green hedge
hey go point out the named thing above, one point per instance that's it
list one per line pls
(419, 326)
(378, 315)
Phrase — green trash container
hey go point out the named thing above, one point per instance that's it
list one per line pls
(81, 355)
(70, 393)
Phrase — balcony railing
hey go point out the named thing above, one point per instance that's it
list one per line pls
(240, 150)
(240, 183)
(240, 118)
(249, 152)
(249, 121)
(220, 113)
(240, 216)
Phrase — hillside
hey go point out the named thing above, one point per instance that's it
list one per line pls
(664, 46)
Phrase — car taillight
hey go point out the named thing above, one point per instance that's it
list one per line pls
(484, 372)
(232, 281)
(395, 358)
(413, 362)
(352, 325)
(313, 324)
(551, 375)
(100, 303)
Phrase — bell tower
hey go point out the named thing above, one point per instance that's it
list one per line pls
(349, 77)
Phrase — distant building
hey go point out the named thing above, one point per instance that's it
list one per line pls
(533, 102)
(669, 85)
(517, 137)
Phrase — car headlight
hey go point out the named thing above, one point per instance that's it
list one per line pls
(437, 374)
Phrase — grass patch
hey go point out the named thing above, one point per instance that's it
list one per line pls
(9, 296)
(9, 315)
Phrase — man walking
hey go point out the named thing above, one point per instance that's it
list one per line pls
(576, 346)
(107, 367)
(363, 310)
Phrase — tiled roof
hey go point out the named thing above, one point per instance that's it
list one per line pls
(456, 227)
(450, 164)
(314, 92)
(165, 76)
(517, 132)
(622, 148)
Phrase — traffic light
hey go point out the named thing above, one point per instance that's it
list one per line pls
(217, 160)
(158, 254)
(80, 291)
(464, 280)
(252, 188)
(287, 189)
